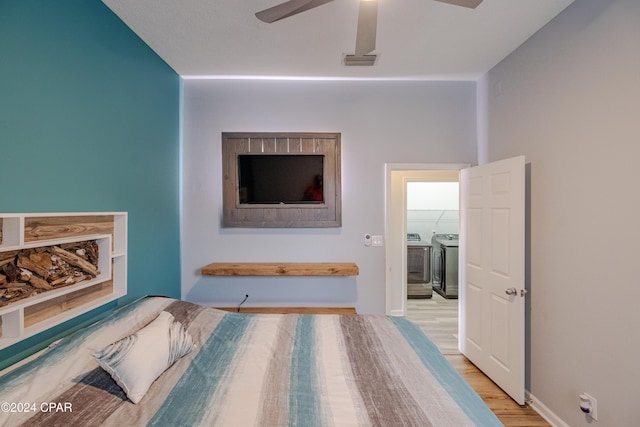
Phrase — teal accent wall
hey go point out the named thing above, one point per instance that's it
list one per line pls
(89, 121)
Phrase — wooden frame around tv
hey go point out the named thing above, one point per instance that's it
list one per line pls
(316, 215)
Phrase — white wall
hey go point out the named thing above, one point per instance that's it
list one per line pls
(433, 196)
(569, 100)
(381, 122)
(432, 207)
(429, 222)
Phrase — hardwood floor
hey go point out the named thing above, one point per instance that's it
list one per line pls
(509, 412)
(438, 318)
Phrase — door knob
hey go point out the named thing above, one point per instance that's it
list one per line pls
(511, 291)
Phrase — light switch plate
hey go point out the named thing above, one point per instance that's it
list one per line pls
(377, 240)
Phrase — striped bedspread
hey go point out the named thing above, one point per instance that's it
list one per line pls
(252, 370)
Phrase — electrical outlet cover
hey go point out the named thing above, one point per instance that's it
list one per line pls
(594, 407)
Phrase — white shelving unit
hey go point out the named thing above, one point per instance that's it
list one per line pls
(32, 315)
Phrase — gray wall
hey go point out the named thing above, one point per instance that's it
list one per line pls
(381, 122)
(569, 100)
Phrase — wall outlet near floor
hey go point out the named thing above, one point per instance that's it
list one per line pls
(589, 405)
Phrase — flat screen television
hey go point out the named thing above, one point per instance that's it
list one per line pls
(280, 179)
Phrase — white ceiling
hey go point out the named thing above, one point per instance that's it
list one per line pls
(416, 39)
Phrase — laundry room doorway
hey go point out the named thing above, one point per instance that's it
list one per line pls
(433, 223)
(398, 176)
(492, 205)
(410, 214)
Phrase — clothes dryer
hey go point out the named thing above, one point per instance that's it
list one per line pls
(444, 265)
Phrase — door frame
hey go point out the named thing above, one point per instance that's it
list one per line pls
(396, 226)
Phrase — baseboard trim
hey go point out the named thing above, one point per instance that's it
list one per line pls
(544, 411)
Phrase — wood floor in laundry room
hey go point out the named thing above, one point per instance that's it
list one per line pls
(438, 318)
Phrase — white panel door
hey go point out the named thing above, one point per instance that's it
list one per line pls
(492, 292)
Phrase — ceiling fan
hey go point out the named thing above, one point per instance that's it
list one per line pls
(367, 22)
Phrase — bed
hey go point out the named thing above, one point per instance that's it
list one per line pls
(235, 369)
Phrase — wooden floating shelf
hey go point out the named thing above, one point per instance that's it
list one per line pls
(281, 269)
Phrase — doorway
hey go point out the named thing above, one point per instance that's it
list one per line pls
(397, 175)
(422, 311)
(481, 323)
(432, 213)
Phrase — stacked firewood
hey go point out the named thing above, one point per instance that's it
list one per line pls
(27, 272)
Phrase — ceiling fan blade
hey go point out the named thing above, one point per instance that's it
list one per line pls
(367, 24)
(288, 8)
(471, 4)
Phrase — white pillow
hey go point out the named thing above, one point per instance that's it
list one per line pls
(136, 361)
